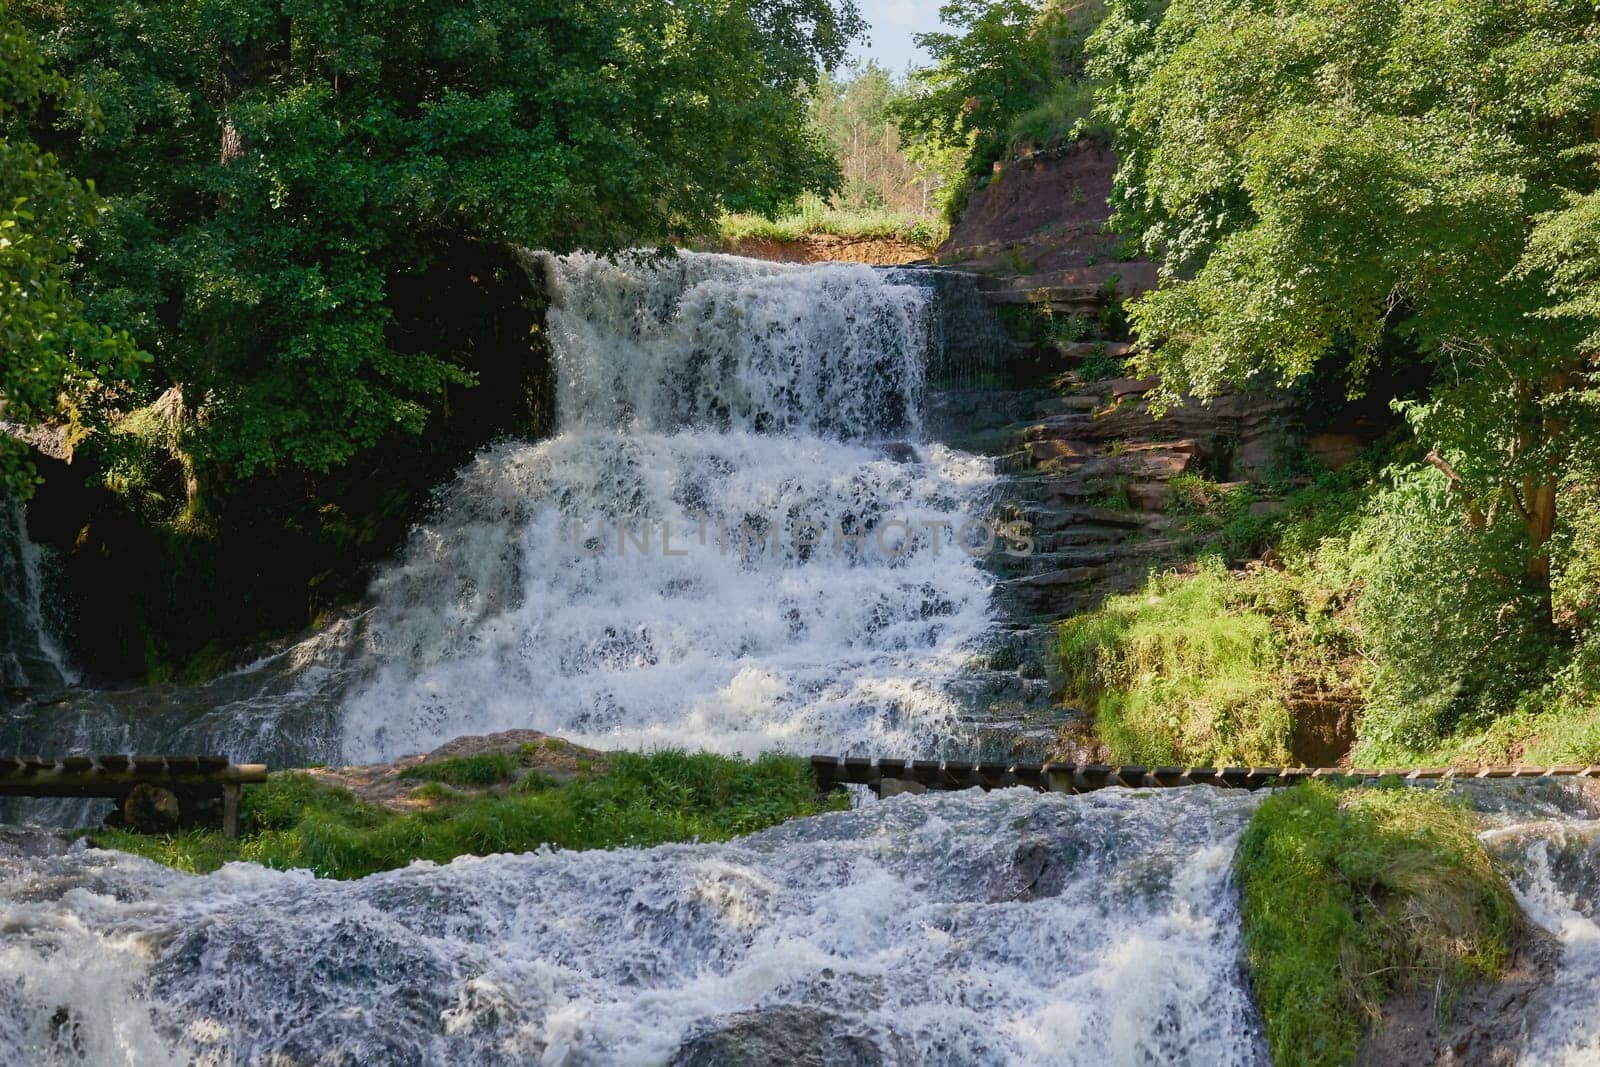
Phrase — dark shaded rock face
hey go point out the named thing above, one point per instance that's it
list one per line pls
(799, 1037)
(1487, 1024)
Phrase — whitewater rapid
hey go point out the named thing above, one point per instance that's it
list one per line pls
(1546, 838)
(738, 541)
(1004, 928)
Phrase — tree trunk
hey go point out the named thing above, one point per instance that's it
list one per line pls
(1541, 523)
(1539, 494)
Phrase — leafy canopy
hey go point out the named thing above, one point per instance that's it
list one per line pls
(1320, 175)
(46, 341)
(278, 168)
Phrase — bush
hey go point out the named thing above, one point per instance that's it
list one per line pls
(1349, 897)
(1456, 633)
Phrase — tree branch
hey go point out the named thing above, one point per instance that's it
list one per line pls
(1457, 484)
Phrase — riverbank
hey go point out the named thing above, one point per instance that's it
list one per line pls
(510, 793)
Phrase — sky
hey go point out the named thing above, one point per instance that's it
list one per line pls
(893, 22)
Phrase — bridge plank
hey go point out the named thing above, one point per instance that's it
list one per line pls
(1076, 778)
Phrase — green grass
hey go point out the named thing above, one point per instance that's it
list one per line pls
(813, 217)
(1199, 666)
(1349, 897)
(1066, 114)
(638, 800)
(491, 768)
(1180, 672)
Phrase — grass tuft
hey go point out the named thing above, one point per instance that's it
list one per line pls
(637, 800)
(1352, 896)
(492, 768)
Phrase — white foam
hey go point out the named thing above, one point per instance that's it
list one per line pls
(965, 928)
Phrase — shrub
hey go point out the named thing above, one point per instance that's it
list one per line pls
(1456, 633)
(1100, 366)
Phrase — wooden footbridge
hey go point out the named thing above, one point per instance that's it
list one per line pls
(163, 789)
(889, 776)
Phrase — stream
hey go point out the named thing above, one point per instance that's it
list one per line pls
(742, 539)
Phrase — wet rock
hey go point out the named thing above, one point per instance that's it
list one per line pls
(149, 809)
(1487, 1024)
(29, 843)
(796, 1036)
(900, 452)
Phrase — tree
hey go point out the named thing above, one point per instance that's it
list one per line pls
(1321, 175)
(49, 347)
(853, 112)
(996, 67)
(280, 171)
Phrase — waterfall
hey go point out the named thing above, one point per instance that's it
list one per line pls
(31, 658)
(738, 539)
(1548, 843)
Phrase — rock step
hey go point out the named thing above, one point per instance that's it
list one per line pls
(1079, 537)
(1132, 457)
(1078, 351)
(1127, 279)
(1075, 297)
(1065, 566)
(1051, 519)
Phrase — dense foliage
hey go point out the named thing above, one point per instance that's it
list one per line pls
(279, 171)
(1349, 897)
(635, 800)
(50, 344)
(1321, 177)
(1011, 72)
(304, 226)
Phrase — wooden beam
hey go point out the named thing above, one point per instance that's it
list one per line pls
(113, 776)
(833, 771)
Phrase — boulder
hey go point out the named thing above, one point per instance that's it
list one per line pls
(789, 1034)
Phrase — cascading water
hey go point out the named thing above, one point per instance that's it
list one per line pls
(1547, 840)
(972, 928)
(734, 542)
(738, 540)
(30, 656)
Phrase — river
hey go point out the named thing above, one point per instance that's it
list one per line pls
(742, 539)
